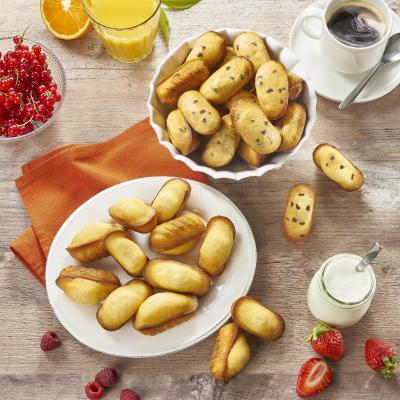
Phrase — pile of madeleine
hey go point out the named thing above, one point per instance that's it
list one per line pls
(163, 292)
(229, 99)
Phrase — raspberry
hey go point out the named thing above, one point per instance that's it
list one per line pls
(94, 390)
(107, 377)
(128, 394)
(50, 341)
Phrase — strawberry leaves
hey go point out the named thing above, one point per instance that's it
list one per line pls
(318, 330)
(381, 357)
(389, 366)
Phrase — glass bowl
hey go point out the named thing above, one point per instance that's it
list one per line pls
(59, 77)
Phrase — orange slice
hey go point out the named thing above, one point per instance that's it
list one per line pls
(65, 19)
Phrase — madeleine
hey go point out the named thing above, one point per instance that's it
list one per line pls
(177, 236)
(231, 353)
(217, 245)
(257, 319)
(126, 252)
(88, 244)
(163, 311)
(87, 285)
(177, 277)
(122, 304)
(171, 199)
(134, 214)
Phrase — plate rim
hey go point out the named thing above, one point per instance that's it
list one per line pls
(207, 334)
(296, 27)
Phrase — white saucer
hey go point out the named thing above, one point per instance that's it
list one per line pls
(334, 85)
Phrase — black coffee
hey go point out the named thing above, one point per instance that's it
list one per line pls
(357, 24)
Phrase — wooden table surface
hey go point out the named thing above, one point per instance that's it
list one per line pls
(104, 97)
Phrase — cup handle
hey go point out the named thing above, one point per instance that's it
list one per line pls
(308, 29)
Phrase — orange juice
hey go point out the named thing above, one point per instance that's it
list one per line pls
(127, 27)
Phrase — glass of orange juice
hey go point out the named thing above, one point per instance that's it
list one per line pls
(127, 27)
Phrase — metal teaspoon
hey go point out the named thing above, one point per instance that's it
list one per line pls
(391, 55)
(369, 257)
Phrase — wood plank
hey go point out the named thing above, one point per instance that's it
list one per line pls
(104, 97)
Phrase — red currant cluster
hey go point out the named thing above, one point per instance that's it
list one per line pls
(27, 90)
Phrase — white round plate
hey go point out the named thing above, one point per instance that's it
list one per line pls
(332, 84)
(237, 169)
(214, 309)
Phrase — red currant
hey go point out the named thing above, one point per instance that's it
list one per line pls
(17, 39)
(36, 49)
(27, 90)
(41, 58)
(42, 88)
(35, 76)
(13, 130)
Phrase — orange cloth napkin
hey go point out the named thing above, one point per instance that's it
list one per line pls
(56, 184)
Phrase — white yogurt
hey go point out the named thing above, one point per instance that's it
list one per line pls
(340, 295)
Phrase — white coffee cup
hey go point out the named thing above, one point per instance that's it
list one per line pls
(341, 57)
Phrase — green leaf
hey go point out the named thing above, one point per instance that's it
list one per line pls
(165, 27)
(180, 4)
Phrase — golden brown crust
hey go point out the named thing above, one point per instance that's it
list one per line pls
(337, 167)
(229, 54)
(153, 331)
(180, 133)
(226, 81)
(186, 77)
(295, 86)
(272, 86)
(87, 285)
(223, 345)
(88, 244)
(94, 274)
(113, 314)
(238, 356)
(214, 252)
(254, 127)
(299, 212)
(209, 47)
(134, 214)
(291, 126)
(254, 317)
(79, 252)
(176, 232)
(163, 311)
(177, 277)
(146, 228)
(186, 190)
(252, 46)
(241, 95)
(199, 113)
(249, 155)
(222, 146)
(136, 259)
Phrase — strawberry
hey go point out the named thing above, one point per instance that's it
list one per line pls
(314, 377)
(327, 341)
(380, 357)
